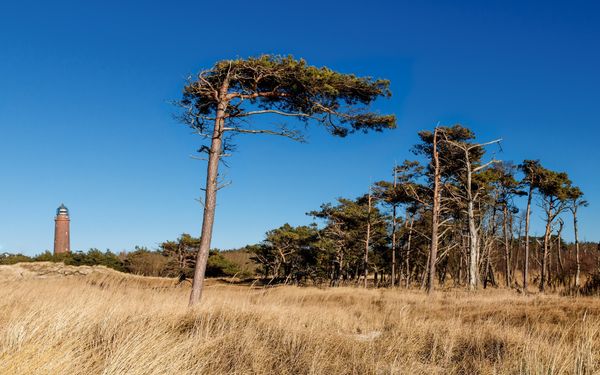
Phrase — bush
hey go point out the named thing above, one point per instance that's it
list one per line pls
(140, 262)
(93, 257)
(145, 262)
(7, 258)
(243, 259)
(219, 266)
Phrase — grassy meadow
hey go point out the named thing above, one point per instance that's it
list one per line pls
(111, 323)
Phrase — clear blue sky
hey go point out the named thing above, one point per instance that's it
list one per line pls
(85, 118)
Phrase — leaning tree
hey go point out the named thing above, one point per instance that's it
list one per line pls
(220, 102)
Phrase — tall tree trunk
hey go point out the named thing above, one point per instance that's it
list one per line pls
(434, 214)
(549, 270)
(560, 269)
(527, 218)
(577, 260)
(464, 255)
(515, 262)
(394, 234)
(546, 250)
(408, 245)
(488, 247)
(368, 238)
(425, 274)
(210, 198)
(393, 274)
(506, 245)
(459, 270)
(473, 238)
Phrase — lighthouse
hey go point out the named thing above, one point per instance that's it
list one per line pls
(61, 231)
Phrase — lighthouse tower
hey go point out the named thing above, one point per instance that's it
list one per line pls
(61, 231)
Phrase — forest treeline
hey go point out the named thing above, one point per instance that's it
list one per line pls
(454, 216)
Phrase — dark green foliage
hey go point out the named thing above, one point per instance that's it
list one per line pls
(554, 185)
(408, 189)
(94, 257)
(180, 258)
(219, 266)
(181, 255)
(500, 184)
(451, 157)
(47, 256)
(531, 170)
(142, 261)
(242, 258)
(286, 86)
(7, 258)
(288, 253)
(342, 238)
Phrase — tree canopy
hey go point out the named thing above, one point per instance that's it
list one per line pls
(282, 85)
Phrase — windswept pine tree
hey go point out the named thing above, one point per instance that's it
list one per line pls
(222, 101)
(555, 189)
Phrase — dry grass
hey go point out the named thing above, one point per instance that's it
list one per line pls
(115, 324)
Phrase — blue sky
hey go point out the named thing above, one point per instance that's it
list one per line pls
(85, 115)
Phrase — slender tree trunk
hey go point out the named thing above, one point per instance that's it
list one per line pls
(210, 198)
(546, 250)
(394, 234)
(434, 214)
(393, 275)
(368, 239)
(408, 245)
(464, 255)
(506, 245)
(577, 260)
(488, 249)
(515, 262)
(527, 218)
(459, 270)
(560, 268)
(473, 238)
(425, 274)
(549, 270)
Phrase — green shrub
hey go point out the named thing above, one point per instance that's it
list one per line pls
(145, 262)
(218, 265)
(7, 258)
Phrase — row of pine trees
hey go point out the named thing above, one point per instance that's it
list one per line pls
(453, 216)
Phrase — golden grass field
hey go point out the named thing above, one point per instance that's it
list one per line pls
(104, 322)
